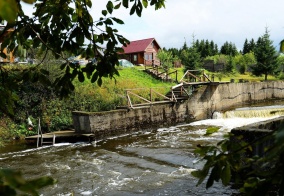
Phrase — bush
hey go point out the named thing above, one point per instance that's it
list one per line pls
(281, 76)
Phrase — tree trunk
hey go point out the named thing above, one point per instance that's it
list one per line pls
(265, 76)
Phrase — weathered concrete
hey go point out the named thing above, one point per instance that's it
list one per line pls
(200, 105)
(257, 132)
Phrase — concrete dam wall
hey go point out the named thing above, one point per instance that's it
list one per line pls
(201, 105)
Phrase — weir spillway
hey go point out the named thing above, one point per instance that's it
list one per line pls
(200, 105)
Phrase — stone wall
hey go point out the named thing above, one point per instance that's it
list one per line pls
(201, 105)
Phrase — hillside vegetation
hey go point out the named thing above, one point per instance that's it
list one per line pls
(37, 101)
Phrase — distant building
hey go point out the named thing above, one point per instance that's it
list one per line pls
(9, 54)
(142, 52)
(211, 66)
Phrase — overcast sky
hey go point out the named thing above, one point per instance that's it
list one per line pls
(217, 20)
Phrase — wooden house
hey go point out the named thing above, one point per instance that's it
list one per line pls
(142, 52)
(9, 54)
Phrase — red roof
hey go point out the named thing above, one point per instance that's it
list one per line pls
(137, 46)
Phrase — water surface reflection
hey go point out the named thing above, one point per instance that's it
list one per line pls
(158, 162)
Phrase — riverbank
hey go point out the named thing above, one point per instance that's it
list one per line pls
(201, 105)
(55, 113)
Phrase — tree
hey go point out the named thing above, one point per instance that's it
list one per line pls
(246, 47)
(244, 61)
(230, 65)
(66, 26)
(229, 49)
(251, 45)
(174, 51)
(265, 55)
(166, 59)
(190, 58)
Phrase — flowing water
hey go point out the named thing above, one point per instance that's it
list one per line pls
(158, 162)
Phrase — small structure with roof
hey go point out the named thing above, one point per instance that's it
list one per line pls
(141, 52)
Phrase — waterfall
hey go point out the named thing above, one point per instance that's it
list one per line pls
(251, 112)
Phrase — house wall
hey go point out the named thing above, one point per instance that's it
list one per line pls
(151, 50)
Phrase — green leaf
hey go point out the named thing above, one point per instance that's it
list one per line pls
(14, 180)
(81, 76)
(95, 77)
(80, 38)
(104, 12)
(125, 3)
(108, 22)
(109, 6)
(89, 3)
(100, 81)
(117, 20)
(133, 9)
(139, 9)
(201, 174)
(145, 3)
(8, 10)
(211, 130)
(226, 174)
(117, 6)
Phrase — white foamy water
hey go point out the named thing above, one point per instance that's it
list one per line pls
(227, 124)
(157, 162)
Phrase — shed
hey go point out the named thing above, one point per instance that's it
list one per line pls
(142, 52)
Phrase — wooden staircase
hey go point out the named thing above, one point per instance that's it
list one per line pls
(188, 84)
(159, 73)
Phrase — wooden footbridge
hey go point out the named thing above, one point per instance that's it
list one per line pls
(142, 97)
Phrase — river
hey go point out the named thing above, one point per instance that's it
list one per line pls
(157, 162)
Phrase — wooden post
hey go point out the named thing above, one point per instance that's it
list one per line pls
(37, 143)
(53, 140)
(151, 95)
(176, 76)
(128, 98)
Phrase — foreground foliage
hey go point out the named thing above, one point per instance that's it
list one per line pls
(233, 162)
(12, 183)
(66, 28)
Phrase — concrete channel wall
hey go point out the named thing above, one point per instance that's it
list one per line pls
(256, 131)
(201, 105)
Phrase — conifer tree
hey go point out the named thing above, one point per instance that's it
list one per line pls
(190, 58)
(252, 45)
(265, 55)
(246, 47)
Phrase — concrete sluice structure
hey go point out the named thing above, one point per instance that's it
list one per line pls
(201, 105)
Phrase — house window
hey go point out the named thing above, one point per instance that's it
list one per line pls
(146, 57)
(150, 57)
(135, 57)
